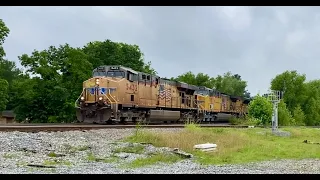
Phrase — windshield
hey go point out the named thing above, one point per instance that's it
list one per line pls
(110, 74)
(203, 92)
(115, 74)
(99, 73)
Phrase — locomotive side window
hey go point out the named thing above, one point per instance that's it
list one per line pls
(143, 77)
(131, 76)
(148, 78)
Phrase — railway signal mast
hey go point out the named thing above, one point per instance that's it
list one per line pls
(274, 97)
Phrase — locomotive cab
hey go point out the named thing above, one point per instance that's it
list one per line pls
(102, 85)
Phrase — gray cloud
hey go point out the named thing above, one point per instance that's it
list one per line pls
(255, 42)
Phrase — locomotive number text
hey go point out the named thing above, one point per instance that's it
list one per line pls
(132, 87)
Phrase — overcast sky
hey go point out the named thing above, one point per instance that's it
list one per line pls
(255, 42)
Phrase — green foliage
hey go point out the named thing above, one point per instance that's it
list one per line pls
(237, 145)
(115, 53)
(284, 115)
(4, 32)
(59, 75)
(10, 73)
(260, 108)
(250, 121)
(228, 83)
(302, 98)
(3, 94)
(312, 112)
(199, 80)
(299, 116)
(292, 84)
(231, 84)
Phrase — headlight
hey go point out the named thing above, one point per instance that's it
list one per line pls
(100, 98)
(97, 81)
(82, 98)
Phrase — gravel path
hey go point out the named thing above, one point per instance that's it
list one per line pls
(95, 152)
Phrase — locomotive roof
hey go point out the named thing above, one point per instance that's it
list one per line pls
(128, 69)
(179, 83)
(120, 67)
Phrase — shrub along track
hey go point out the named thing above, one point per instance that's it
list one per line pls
(82, 127)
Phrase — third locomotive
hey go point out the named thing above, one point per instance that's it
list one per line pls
(120, 94)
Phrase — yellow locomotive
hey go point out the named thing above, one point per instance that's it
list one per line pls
(120, 94)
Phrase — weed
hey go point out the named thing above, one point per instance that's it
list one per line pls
(56, 162)
(9, 156)
(52, 154)
(157, 158)
(93, 158)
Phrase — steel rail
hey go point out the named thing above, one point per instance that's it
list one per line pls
(75, 127)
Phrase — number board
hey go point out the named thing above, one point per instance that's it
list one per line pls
(101, 69)
(114, 68)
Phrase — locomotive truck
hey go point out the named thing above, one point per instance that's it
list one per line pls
(118, 94)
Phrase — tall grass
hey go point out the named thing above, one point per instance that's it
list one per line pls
(236, 145)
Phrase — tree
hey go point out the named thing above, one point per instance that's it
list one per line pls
(231, 84)
(198, 80)
(260, 108)
(4, 32)
(311, 105)
(228, 83)
(59, 73)
(312, 111)
(284, 115)
(8, 70)
(3, 94)
(51, 94)
(10, 73)
(299, 116)
(292, 84)
(5, 72)
(115, 53)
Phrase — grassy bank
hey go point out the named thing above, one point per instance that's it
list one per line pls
(237, 145)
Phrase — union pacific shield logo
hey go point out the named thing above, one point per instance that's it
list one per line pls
(91, 91)
(102, 90)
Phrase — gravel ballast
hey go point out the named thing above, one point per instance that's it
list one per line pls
(97, 152)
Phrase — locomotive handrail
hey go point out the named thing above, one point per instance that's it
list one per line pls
(115, 101)
(75, 103)
(201, 106)
(108, 98)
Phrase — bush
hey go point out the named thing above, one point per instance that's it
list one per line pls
(244, 121)
(299, 116)
(284, 115)
(260, 108)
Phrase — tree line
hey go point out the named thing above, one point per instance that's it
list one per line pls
(51, 80)
(300, 104)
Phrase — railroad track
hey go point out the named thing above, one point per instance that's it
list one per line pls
(81, 127)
